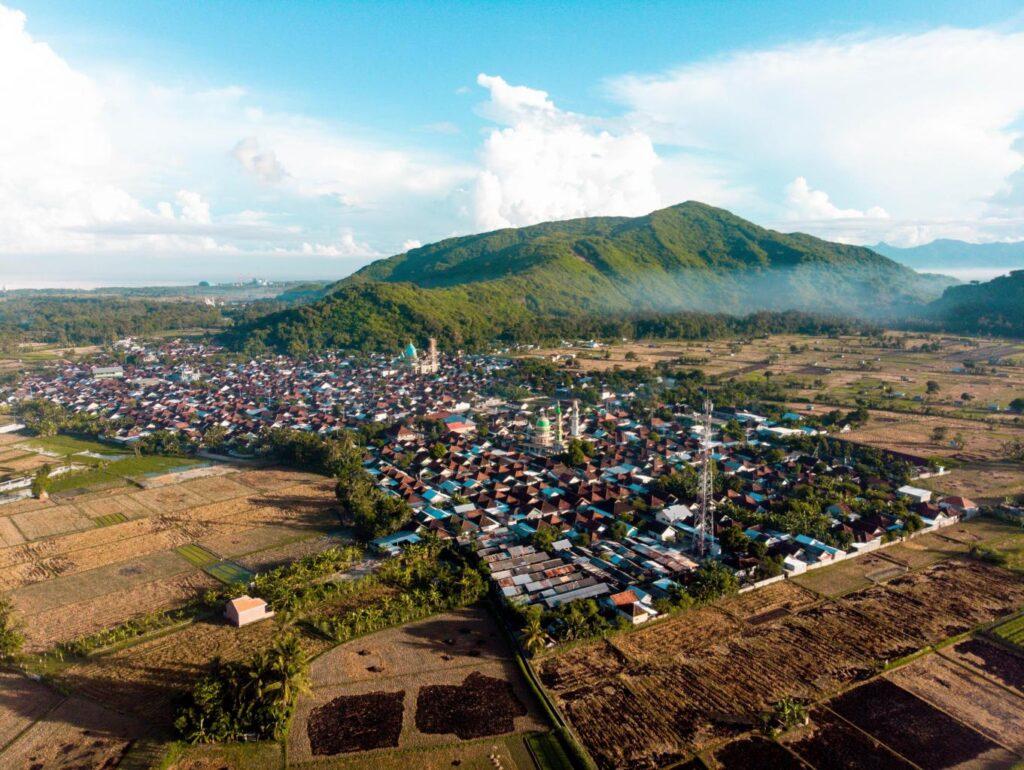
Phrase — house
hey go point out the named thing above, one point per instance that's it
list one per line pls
(628, 605)
(391, 545)
(915, 493)
(674, 513)
(245, 610)
(959, 506)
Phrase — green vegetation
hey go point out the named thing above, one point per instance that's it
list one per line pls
(652, 276)
(427, 578)
(11, 639)
(98, 320)
(1011, 631)
(197, 555)
(109, 519)
(106, 473)
(548, 751)
(253, 698)
(993, 307)
(228, 572)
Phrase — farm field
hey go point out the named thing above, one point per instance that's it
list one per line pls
(433, 690)
(100, 558)
(656, 695)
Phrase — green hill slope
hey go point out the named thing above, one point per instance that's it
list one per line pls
(689, 257)
(994, 307)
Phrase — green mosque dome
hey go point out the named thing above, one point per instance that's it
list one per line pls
(410, 351)
(543, 422)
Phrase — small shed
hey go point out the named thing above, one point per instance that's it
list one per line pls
(245, 610)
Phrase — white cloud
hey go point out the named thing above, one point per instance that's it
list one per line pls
(546, 163)
(346, 247)
(263, 165)
(412, 243)
(805, 203)
(923, 125)
(95, 163)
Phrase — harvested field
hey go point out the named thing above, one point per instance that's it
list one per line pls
(830, 742)
(926, 736)
(971, 699)
(481, 705)
(636, 700)
(706, 627)
(48, 522)
(756, 754)
(22, 702)
(415, 648)
(111, 578)
(356, 723)
(10, 535)
(70, 621)
(995, 662)
(786, 596)
(76, 734)
(268, 558)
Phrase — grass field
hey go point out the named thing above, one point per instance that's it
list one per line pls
(110, 519)
(1011, 631)
(548, 751)
(197, 555)
(116, 471)
(228, 572)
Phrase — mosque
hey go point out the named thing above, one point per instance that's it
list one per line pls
(547, 439)
(429, 364)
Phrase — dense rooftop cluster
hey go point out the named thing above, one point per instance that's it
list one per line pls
(605, 512)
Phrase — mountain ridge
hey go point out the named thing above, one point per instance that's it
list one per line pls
(690, 257)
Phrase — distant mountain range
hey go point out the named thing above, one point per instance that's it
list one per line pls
(689, 257)
(945, 254)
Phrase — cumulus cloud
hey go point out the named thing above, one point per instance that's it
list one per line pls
(926, 126)
(805, 203)
(412, 243)
(97, 163)
(546, 163)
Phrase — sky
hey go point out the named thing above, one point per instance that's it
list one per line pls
(157, 142)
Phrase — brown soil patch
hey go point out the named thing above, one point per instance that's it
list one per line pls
(356, 723)
(989, 710)
(926, 736)
(481, 705)
(992, 660)
(634, 699)
(830, 742)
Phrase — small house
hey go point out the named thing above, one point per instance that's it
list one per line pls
(245, 610)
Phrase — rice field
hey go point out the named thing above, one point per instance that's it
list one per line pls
(1011, 631)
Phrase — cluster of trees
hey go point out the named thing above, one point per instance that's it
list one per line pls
(11, 638)
(427, 578)
(45, 418)
(98, 320)
(252, 698)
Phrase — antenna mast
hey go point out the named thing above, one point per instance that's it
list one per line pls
(705, 528)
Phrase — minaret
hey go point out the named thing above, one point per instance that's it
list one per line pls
(434, 365)
(574, 419)
(559, 433)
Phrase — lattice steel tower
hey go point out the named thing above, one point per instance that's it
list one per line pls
(705, 524)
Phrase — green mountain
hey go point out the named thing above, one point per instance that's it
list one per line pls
(689, 257)
(994, 307)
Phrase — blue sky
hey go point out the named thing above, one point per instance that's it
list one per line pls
(308, 138)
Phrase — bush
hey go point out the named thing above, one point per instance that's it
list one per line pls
(11, 639)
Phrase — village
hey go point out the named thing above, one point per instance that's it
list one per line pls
(562, 502)
(539, 509)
